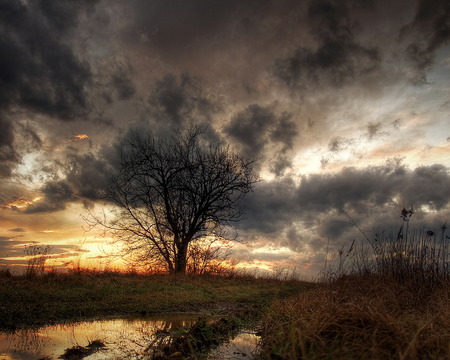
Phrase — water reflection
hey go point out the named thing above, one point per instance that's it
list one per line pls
(243, 346)
(124, 339)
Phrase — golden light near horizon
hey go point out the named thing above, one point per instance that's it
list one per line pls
(22, 203)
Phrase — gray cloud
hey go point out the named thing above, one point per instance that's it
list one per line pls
(11, 192)
(372, 196)
(56, 194)
(178, 101)
(39, 71)
(337, 143)
(90, 174)
(336, 58)
(18, 230)
(271, 206)
(430, 29)
(258, 128)
(373, 130)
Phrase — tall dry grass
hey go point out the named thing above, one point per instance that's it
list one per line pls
(386, 298)
(409, 254)
(360, 318)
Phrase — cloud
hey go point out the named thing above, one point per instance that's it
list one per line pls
(178, 101)
(270, 207)
(113, 79)
(336, 144)
(429, 30)
(336, 58)
(90, 174)
(257, 129)
(39, 71)
(10, 247)
(56, 194)
(10, 192)
(18, 230)
(318, 205)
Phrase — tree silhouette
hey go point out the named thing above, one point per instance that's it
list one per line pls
(173, 191)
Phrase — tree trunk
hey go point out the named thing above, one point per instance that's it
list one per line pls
(180, 261)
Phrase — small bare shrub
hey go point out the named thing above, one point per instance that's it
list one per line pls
(37, 256)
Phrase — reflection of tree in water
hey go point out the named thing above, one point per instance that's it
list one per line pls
(144, 337)
(124, 339)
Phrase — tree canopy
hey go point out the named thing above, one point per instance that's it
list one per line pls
(172, 191)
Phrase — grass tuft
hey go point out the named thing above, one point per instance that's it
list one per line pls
(359, 318)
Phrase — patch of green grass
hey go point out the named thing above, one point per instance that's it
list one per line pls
(63, 297)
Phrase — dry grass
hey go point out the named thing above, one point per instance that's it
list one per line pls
(360, 318)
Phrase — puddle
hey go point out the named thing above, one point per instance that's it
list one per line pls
(123, 338)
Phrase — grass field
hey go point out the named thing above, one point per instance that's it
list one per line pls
(359, 317)
(51, 298)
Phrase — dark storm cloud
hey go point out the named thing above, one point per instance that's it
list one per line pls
(177, 101)
(39, 71)
(8, 155)
(337, 57)
(363, 189)
(8, 159)
(321, 201)
(180, 27)
(30, 136)
(89, 174)
(251, 127)
(6, 135)
(335, 227)
(257, 128)
(56, 195)
(271, 206)
(176, 24)
(114, 79)
(11, 192)
(430, 29)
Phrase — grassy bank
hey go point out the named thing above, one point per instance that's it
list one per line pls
(388, 299)
(64, 297)
(358, 317)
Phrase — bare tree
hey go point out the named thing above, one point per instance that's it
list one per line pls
(209, 256)
(173, 191)
(37, 256)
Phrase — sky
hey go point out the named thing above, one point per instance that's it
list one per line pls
(345, 104)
